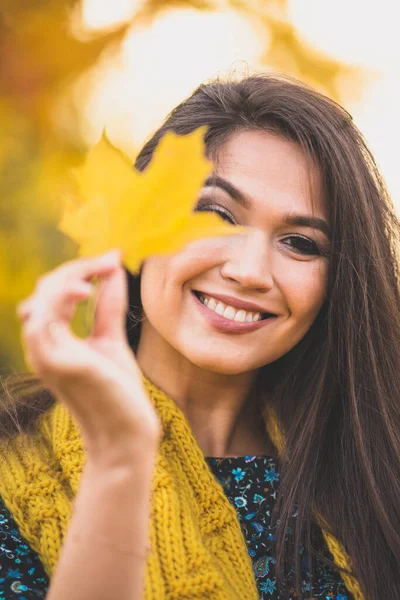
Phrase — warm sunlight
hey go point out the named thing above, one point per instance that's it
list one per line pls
(374, 45)
(71, 69)
(97, 15)
(162, 64)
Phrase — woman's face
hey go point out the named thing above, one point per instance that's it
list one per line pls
(266, 183)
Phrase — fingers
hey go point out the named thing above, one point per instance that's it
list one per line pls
(78, 291)
(56, 291)
(53, 352)
(54, 301)
(111, 306)
(87, 268)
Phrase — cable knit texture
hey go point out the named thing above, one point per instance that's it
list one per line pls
(197, 549)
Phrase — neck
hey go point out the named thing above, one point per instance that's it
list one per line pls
(223, 411)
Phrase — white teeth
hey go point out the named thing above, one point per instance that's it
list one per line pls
(240, 316)
(219, 309)
(211, 303)
(229, 312)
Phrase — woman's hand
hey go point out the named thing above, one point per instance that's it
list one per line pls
(98, 377)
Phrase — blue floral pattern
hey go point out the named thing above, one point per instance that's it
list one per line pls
(250, 483)
(22, 574)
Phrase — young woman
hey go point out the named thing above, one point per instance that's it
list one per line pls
(230, 429)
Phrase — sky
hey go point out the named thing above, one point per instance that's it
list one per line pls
(162, 63)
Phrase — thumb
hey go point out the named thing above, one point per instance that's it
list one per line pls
(111, 305)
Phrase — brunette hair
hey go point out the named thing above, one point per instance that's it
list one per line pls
(336, 393)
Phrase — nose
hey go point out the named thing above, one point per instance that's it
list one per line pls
(250, 264)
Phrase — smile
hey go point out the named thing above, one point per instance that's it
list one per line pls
(229, 312)
(228, 318)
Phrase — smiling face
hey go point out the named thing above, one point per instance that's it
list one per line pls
(279, 265)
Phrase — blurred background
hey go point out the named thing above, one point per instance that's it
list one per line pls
(70, 68)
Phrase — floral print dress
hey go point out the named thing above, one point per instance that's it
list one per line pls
(250, 483)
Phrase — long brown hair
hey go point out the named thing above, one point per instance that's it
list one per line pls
(337, 392)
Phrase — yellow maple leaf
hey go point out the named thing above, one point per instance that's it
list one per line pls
(142, 213)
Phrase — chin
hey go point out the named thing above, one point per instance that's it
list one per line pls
(226, 365)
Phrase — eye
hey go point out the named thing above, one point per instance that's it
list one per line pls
(302, 245)
(225, 214)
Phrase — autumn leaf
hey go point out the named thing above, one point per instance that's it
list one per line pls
(142, 213)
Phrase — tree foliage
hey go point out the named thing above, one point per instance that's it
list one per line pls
(42, 53)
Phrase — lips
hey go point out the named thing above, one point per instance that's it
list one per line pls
(236, 303)
(220, 323)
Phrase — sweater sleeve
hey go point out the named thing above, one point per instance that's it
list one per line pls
(22, 575)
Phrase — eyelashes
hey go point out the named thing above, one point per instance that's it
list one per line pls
(225, 214)
(297, 243)
(303, 245)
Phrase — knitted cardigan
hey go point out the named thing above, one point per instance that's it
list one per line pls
(197, 548)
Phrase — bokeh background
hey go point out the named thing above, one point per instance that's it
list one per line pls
(70, 68)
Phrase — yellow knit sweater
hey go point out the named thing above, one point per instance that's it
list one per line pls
(197, 546)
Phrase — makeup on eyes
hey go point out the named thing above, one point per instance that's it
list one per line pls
(215, 183)
(300, 244)
(206, 204)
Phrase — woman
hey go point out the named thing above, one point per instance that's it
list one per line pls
(257, 359)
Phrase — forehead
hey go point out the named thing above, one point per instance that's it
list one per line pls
(273, 171)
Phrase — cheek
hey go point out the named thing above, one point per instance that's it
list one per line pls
(153, 283)
(162, 294)
(305, 290)
(165, 276)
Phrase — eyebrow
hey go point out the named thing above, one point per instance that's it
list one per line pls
(289, 219)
